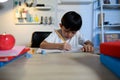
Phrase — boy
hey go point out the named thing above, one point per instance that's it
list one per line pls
(68, 36)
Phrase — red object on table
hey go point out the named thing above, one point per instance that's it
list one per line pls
(110, 48)
(7, 41)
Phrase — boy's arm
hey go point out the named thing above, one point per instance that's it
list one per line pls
(60, 46)
(46, 45)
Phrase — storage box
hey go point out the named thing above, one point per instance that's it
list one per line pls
(111, 37)
(111, 63)
(110, 48)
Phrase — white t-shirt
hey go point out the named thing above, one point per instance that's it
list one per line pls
(76, 41)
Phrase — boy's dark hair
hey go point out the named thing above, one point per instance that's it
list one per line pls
(72, 21)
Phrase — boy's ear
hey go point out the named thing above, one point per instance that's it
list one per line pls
(60, 25)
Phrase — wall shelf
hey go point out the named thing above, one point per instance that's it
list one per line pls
(43, 12)
(74, 2)
(32, 23)
(43, 8)
(111, 6)
(28, 23)
(111, 25)
(112, 32)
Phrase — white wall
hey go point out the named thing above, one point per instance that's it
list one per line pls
(23, 33)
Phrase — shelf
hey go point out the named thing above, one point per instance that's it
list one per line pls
(74, 2)
(28, 23)
(43, 8)
(112, 32)
(31, 23)
(111, 25)
(111, 6)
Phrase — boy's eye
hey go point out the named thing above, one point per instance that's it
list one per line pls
(67, 31)
(73, 32)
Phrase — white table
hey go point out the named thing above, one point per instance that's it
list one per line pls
(57, 66)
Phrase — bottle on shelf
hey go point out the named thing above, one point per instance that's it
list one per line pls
(19, 3)
(24, 13)
(36, 18)
(17, 14)
(100, 16)
(29, 17)
(50, 20)
(46, 20)
(41, 21)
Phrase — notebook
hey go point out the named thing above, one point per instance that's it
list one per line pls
(8, 55)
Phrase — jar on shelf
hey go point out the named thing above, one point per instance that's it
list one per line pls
(17, 14)
(29, 17)
(118, 1)
(106, 1)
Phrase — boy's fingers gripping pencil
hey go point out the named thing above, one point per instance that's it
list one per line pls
(61, 37)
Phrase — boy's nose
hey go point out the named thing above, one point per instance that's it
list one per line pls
(69, 35)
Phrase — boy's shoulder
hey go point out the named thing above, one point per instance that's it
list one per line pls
(53, 33)
(78, 32)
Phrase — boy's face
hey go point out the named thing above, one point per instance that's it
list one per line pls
(67, 33)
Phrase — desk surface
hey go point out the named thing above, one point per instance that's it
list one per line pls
(57, 66)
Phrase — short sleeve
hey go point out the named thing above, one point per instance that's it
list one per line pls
(81, 39)
(51, 37)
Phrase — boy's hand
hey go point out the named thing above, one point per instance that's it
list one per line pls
(87, 48)
(66, 46)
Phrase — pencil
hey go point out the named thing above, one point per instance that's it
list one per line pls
(60, 36)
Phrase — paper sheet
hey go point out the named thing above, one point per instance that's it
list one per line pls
(13, 52)
(73, 50)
